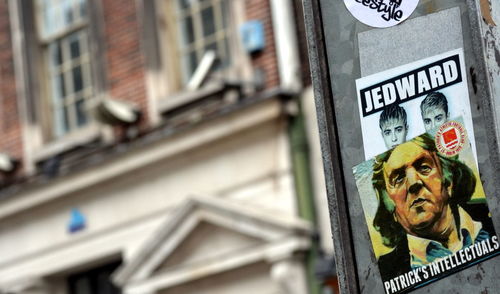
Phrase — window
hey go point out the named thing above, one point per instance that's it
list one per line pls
(62, 31)
(95, 281)
(203, 26)
(188, 29)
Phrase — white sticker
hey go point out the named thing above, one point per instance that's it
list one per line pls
(381, 13)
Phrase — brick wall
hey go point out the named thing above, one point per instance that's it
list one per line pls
(265, 60)
(125, 60)
(125, 64)
(10, 126)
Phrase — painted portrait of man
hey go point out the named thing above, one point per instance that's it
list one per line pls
(424, 210)
(393, 125)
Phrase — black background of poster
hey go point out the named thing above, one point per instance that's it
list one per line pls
(455, 58)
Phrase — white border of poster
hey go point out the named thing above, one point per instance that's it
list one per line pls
(407, 86)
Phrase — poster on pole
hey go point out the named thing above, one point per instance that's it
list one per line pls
(426, 209)
(411, 99)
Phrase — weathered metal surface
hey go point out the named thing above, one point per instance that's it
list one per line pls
(489, 36)
(334, 78)
(380, 50)
(337, 200)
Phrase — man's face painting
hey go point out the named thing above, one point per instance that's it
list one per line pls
(394, 133)
(434, 117)
(413, 179)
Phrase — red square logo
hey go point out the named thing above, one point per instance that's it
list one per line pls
(449, 136)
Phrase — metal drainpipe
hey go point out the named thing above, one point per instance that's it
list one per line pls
(285, 36)
(299, 150)
(287, 48)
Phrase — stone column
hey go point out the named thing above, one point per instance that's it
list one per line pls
(290, 275)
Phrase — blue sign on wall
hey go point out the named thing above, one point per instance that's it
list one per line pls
(77, 221)
(252, 36)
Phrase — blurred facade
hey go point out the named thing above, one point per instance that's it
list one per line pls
(159, 146)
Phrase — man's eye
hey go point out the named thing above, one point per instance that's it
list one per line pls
(399, 129)
(424, 169)
(398, 179)
(427, 121)
(387, 133)
(439, 118)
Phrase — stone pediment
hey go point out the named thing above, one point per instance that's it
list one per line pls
(206, 236)
(208, 242)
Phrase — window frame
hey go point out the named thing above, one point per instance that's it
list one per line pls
(69, 99)
(221, 36)
(164, 84)
(39, 144)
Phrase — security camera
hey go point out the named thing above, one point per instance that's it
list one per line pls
(7, 163)
(114, 112)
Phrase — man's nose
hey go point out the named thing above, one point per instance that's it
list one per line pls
(433, 124)
(414, 181)
(394, 137)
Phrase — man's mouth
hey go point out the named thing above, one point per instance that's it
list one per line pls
(418, 202)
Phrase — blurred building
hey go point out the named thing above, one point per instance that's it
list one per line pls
(159, 146)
